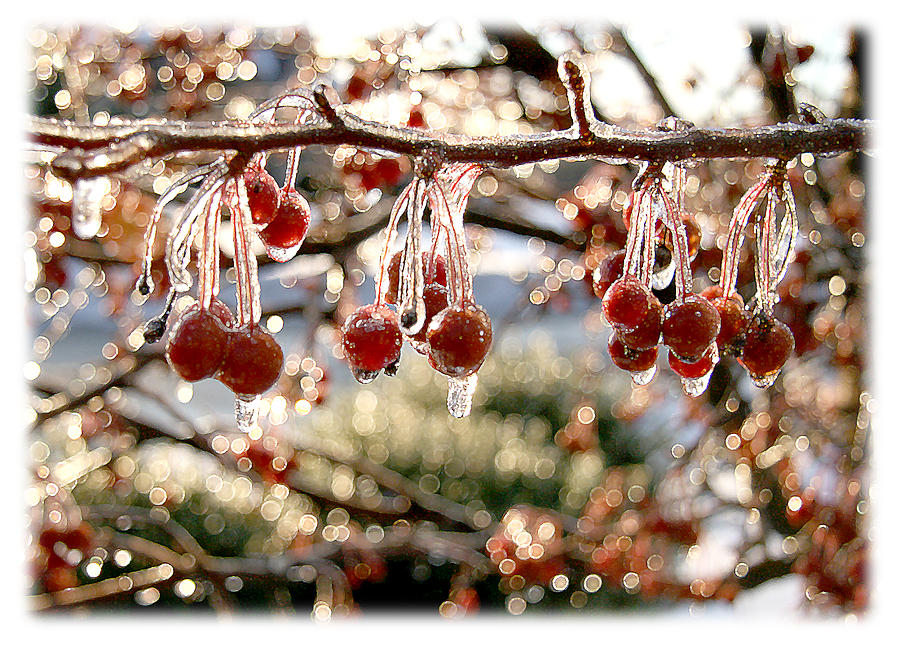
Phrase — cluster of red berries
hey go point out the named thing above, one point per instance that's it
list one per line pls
(207, 340)
(204, 342)
(62, 539)
(281, 214)
(528, 542)
(432, 293)
(697, 329)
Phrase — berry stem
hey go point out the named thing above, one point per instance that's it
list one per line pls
(248, 308)
(684, 281)
(390, 233)
(150, 235)
(178, 245)
(639, 212)
(208, 274)
(739, 220)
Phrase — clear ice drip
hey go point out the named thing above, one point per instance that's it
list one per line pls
(765, 381)
(246, 412)
(459, 395)
(363, 377)
(695, 386)
(87, 197)
(281, 254)
(643, 377)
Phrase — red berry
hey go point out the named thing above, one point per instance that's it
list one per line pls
(437, 298)
(690, 326)
(627, 302)
(694, 234)
(459, 339)
(608, 272)
(646, 334)
(263, 195)
(253, 362)
(371, 338)
(291, 222)
(693, 370)
(734, 321)
(629, 359)
(713, 291)
(767, 346)
(440, 274)
(197, 344)
(221, 312)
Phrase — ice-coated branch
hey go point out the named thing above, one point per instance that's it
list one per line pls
(89, 150)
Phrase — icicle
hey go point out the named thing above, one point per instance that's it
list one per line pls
(246, 411)
(695, 386)
(244, 260)
(87, 197)
(643, 377)
(363, 377)
(460, 394)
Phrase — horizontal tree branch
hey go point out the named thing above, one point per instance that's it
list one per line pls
(88, 151)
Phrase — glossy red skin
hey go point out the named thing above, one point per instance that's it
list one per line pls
(291, 222)
(197, 344)
(437, 298)
(440, 274)
(692, 370)
(263, 195)
(627, 302)
(608, 272)
(689, 327)
(628, 359)
(693, 233)
(371, 338)
(734, 321)
(221, 312)
(768, 345)
(646, 334)
(459, 339)
(253, 362)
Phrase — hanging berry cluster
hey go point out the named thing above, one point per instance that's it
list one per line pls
(698, 329)
(431, 290)
(207, 340)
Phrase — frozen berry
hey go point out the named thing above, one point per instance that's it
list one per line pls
(459, 339)
(608, 272)
(767, 346)
(629, 359)
(711, 292)
(646, 334)
(693, 370)
(734, 320)
(197, 344)
(693, 233)
(438, 274)
(253, 362)
(371, 338)
(437, 298)
(291, 222)
(690, 326)
(627, 302)
(263, 195)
